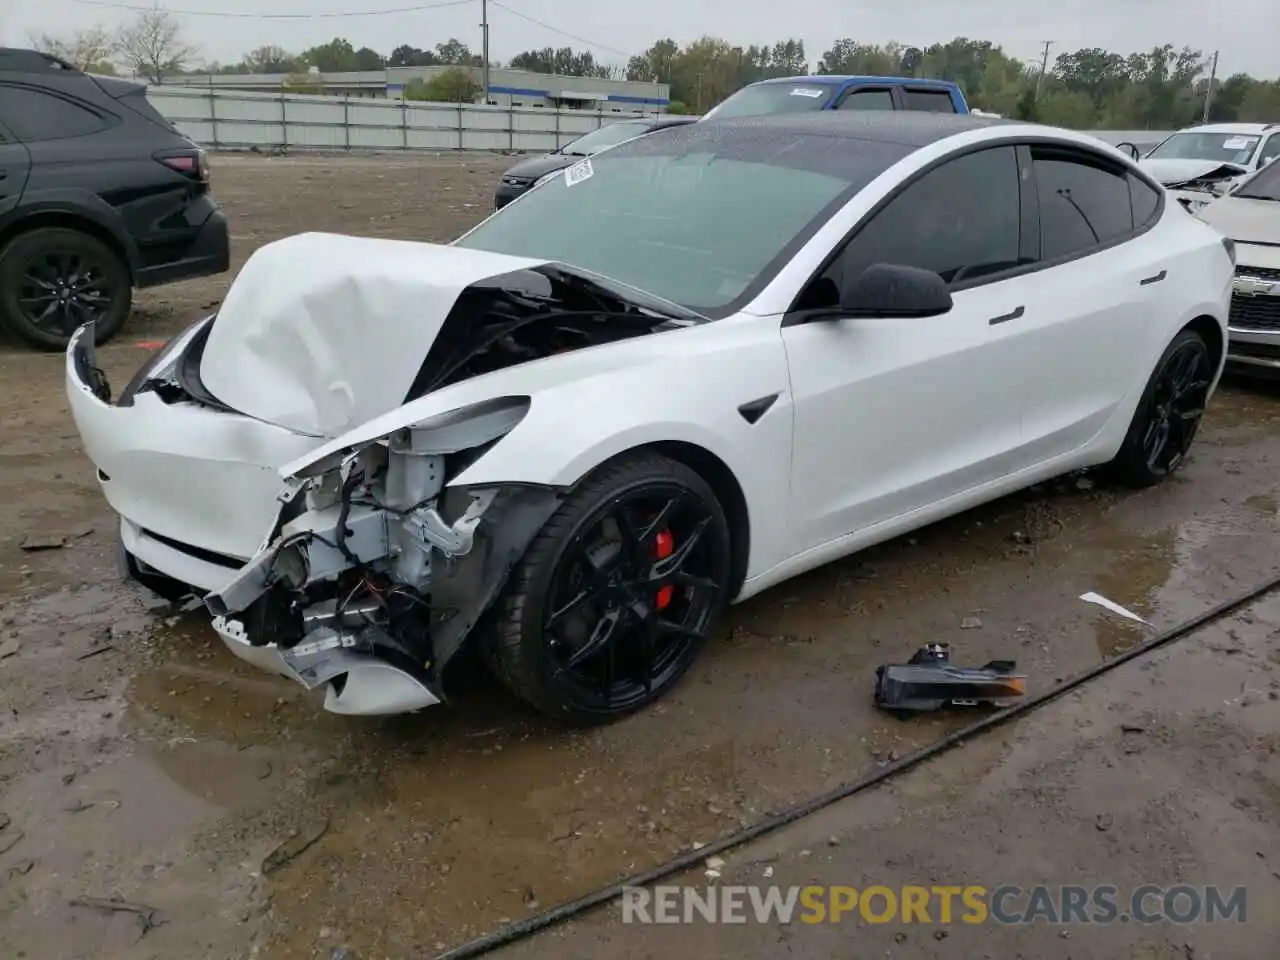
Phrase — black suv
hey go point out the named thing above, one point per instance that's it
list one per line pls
(98, 194)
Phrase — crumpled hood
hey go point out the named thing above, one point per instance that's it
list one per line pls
(320, 333)
(1173, 172)
(1244, 220)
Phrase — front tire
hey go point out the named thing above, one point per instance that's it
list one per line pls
(52, 280)
(615, 596)
(1168, 415)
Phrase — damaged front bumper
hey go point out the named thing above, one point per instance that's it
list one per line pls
(356, 684)
(379, 576)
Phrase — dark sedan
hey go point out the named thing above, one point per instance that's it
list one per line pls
(528, 172)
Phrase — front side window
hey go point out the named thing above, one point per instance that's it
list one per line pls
(960, 220)
(761, 99)
(867, 100)
(1084, 204)
(695, 219)
(1219, 147)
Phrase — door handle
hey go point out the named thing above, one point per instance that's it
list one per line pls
(1156, 279)
(1004, 317)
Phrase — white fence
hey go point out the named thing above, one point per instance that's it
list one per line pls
(242, 120)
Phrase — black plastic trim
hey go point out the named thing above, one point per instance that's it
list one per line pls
(1014, 314)
(753, 410)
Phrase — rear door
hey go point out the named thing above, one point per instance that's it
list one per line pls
(1102, 277)
(15, 167)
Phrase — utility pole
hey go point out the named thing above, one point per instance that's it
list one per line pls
(1208, 92)
(484, 45)
(1044, 67)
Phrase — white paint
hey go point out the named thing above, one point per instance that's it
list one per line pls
(321, 333)
(1111, 605)
(880, 426)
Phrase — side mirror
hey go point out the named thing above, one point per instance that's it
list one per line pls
(1129, 148)
(895, 290)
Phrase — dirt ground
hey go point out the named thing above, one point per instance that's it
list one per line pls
(141, 763)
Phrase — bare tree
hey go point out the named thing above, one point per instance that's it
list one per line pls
(153, 45)
(90, 50)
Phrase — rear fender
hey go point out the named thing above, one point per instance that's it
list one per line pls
(73, 210)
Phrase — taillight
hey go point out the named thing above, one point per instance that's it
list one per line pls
(191, 163)
(1230, 246)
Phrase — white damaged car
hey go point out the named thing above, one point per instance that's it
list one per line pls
(683, 371)
(1203, 162)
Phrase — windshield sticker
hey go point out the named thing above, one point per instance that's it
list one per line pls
(578, 172)
(1239, 143)
(812, 93)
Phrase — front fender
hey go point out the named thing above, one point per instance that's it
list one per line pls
(692, 399)
(589, 405)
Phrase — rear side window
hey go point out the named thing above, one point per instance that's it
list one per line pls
(867, 100)
(1145, 199)
(931, 101)
(961, 220)
(34, 115)
(1084, 204)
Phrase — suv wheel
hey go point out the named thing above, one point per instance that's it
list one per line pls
(52, 280)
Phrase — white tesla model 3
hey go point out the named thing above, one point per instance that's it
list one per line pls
(676, 374)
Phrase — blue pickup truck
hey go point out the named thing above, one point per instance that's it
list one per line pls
(828, 92)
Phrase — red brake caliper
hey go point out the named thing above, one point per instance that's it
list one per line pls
(664, 546)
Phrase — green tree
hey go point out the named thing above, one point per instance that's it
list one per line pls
(565, 62)
(449, 86)
(408, 56)
(336, 56)
(655, 65)
(457, 53)
(271, 59)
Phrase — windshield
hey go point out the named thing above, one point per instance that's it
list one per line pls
(765, 98)
(1263, 185)
(693, 219)
(1219, 147)
(609, 136)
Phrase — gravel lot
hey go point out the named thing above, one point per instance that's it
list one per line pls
(139, 761)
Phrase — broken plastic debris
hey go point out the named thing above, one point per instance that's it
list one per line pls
(1111, 605)
(928, 681)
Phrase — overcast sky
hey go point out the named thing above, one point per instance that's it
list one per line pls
(614, 29)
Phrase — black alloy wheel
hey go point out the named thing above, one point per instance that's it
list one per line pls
(1168, 414)
(54, 280)
(617, 594)
(1178, 402)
